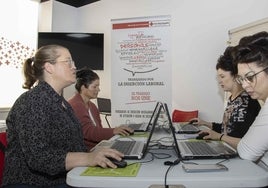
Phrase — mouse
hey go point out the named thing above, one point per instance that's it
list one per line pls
(201, 135)
(130, 133)
(119, 164)
(192, 121)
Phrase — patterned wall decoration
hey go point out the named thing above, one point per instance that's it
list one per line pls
(14, 53)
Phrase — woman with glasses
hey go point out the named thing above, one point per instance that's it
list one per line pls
(252, 63)
(44, 136)
(240, 111)
(251, 59)
(88, 87)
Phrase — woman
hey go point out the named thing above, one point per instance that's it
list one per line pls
(240, 111)
(44, 136)
(252, 63)
(87, 86)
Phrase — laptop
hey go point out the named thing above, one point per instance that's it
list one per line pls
(199, 149)
(185, 128)
(143, 127)
(132, 149)
(104, 105)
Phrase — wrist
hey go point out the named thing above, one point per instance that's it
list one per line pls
(221, 136)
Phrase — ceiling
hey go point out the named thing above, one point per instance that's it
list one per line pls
(75, 3)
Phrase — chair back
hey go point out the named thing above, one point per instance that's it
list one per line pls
(3, 145)
(183, 116)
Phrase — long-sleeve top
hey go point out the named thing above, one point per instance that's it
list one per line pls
(238, 116)
(255, 142)
(41, 130)
(93, 131)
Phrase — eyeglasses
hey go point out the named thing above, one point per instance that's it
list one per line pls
(70, 62)
(249, 77)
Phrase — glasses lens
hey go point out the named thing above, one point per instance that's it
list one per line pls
(250, 78)
(70, 62)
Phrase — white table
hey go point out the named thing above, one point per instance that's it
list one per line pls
(241, 173)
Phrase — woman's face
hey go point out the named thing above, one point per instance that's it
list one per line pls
(93, 90)
(226, 80)
(257, 84)
(65, 69)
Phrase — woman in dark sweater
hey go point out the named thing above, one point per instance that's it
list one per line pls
(44, 136)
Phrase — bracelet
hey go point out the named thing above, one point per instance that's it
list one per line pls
(221, 136)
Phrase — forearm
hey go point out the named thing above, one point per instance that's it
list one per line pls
(76, 159)
(232, 141)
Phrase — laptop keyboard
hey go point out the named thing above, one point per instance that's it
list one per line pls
(200, 148)
(188, 127)
(124, 146)
(135, 126)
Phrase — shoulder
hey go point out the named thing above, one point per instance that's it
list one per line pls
(92, 105)
(246, 98)
(75, 100)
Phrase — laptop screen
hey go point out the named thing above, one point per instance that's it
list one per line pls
(153, 121)
(172, 129)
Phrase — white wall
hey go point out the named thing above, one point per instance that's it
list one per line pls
(199, 35)
(18, 36)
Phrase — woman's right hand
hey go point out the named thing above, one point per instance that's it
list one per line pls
(99, 157)
(123, 130)
(212, 135)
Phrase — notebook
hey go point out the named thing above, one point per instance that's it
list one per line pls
(104, 105)
(185, 128)
(143, 127)
(199, 149)
(132, 149)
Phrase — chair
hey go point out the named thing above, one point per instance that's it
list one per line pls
(183, 116)
(104, 106)
(3, 145)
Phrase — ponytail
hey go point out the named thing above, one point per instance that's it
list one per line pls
(28, 71)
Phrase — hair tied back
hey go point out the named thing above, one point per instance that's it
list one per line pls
(32, 60)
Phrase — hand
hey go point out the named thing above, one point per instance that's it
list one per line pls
(199, 122)
(213, 135)
(99, 157)
(123, 130)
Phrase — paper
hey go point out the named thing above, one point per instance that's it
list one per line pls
(130, 171)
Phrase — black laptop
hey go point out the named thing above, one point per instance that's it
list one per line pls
(200, 149)
(131, 148)
(143, 127)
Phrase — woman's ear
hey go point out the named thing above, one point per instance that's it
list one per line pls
(83, 88)
(48, 67)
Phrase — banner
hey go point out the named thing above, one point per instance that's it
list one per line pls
(141, 67)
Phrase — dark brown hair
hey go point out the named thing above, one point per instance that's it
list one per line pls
(84, 77)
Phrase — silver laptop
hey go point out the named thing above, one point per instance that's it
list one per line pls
(185, 128)
(200, 149)
(143, 127)
(132, 149)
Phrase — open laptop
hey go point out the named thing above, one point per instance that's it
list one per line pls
(104, 105)
(185, 128)
(132, 149)
(199, 149)
(143, 127)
